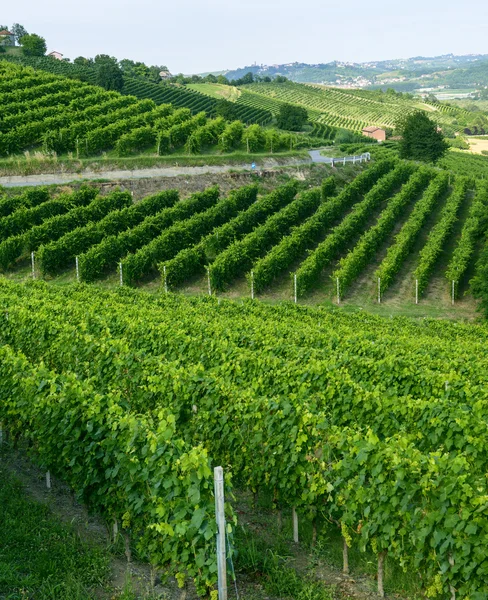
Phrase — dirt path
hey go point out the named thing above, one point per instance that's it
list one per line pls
(119, 175)
(63, 178)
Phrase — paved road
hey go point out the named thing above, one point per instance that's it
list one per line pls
(318, 158)
(64, 178)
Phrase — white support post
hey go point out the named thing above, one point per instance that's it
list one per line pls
(338, 292)
(208, 282)
(379, 290)
(452, 589)
(252, 285)
(332, 163)
(295, 288)
(48, 480)
(344, 161)
(295, 525)
(220, 517)
(77, 270)
(416, 291)
(165, 281)
(33, 263)
(121, 273)
(453, 291)
(354, 160)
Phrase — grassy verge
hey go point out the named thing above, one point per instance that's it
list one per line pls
(39, 556)
(43, 164)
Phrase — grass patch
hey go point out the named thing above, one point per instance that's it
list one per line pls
(45, 164)
(39, 556)
(216, 90)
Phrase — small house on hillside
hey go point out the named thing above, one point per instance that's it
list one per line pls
(165, 74)
(7, 38)
(375, 132)
(56, 55)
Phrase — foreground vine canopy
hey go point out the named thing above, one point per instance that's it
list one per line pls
(379, 425)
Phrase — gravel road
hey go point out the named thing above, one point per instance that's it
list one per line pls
(64, 178)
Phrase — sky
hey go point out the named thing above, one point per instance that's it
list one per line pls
(192, 36)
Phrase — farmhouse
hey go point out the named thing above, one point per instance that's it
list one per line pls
(7, 38)
(375, 132)
(56, 55)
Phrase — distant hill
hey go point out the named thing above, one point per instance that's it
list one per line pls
(401, 74)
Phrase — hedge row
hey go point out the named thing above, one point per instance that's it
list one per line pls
(61, 253)
(103, 257)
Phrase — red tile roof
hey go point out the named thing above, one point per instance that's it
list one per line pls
(372, 129)
(5, 32)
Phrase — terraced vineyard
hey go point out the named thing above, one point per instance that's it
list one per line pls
(162, 93)
(184, 97)
(348, 109)
(41, 111)
(349, 419)
(326, 240)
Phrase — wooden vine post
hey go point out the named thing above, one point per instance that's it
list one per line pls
(208, 281)
(381, 573)
(345, 556)
(165, 280)
(295, 525)
(220, 518)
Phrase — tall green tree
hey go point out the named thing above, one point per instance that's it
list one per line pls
(33, 45)
(421, 139)
(226, 109)
(19, 32)
(82, 61)
(291, 117)
(109, 76)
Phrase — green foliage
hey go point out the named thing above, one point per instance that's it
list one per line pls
(240, 256)
(19, 32)
(191, 261)
(136, 141)
(357, 259)
(57, 255)
(227, 110)
(55, 561)
(231, 136)
(109, 76)
(106, 254)
(459, 142)
(106, 442)
(308, 275)
(405, 239)
(25, 218)
(33, 45)
(292, 117)
(474, 226)
(184, 234)
(360, 420)
(254, 138)
(440, 232)
(28, 199)
(420, 138)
